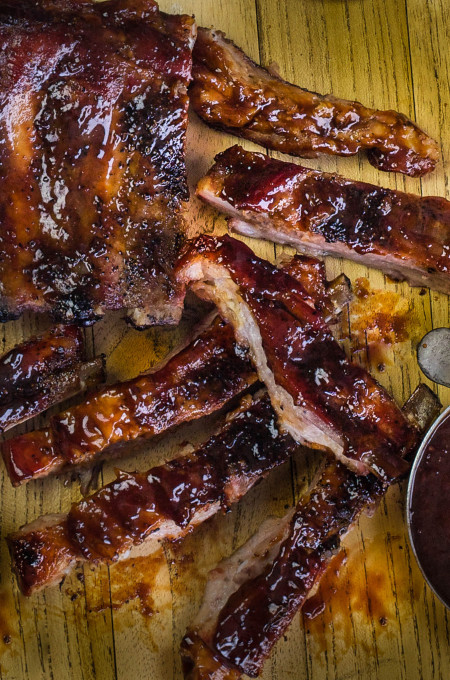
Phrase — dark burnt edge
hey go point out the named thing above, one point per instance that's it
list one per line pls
(81, 377)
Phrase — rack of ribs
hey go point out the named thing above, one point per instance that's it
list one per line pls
(252, 597)
(93, 113)
(165, 502)
(42, 372)
(406, 236)
(322, 399)
(232, 93)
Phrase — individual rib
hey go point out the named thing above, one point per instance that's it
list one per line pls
(252, 597)
(165, 502)
(197, 381)
(321, 398)
(232, 93)
(42, 372)
(406, 236)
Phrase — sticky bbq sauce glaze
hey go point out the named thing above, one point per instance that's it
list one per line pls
(428, 507)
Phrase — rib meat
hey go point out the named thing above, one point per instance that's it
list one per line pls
(406, 236)
(232, 93)
(166, 502)
(198, 380)
(321, 398)
(251, 598)
(43, 371)
(93, 113)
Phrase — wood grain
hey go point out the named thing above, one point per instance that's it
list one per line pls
(380, 620)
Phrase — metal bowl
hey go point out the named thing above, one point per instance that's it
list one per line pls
(420, 453)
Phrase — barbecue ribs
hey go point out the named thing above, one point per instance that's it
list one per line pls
(406, 236)
(232, 93)
(93, 113)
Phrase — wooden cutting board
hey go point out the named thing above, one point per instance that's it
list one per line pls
(379, 620)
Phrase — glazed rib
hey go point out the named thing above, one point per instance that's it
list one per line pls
(197, 381)
(252, 597)
(232, 93)
(166, 502)
(406, 236)
(321, 398)
(93, 113)
(43, 371)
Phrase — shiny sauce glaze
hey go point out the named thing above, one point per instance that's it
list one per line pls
(428, 508)
(307, 361)
(195, 382)
(258, 613)
(93, 112)
(231, 92)
(171, 498)
(24, 367)
(126, 511)
(368, 219)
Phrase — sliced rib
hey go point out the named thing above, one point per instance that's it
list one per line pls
(232, 93)
(252, 597)
(166, 502)
(406, 236)
(321, 398)
(199, 380)
(42, 372)
(93, 114)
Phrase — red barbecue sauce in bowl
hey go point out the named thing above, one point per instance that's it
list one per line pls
(428, 507)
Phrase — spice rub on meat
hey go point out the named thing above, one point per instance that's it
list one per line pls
(232, 93)
(93, 113)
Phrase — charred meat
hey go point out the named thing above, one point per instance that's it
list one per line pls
(232, 93)
(252, 597)
(165, 502)
(198, 380)
(93, 113)
(321, 398)
(406, 236)
(43, 371)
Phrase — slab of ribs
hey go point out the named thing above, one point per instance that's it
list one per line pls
(93, 113)
(232, 93)
(406, 236)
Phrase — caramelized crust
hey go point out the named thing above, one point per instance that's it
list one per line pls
(164, 502)
(406, 236)
(41, 372)
(198, 380)
(321, 398)
(93, 112)
(232, 93)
